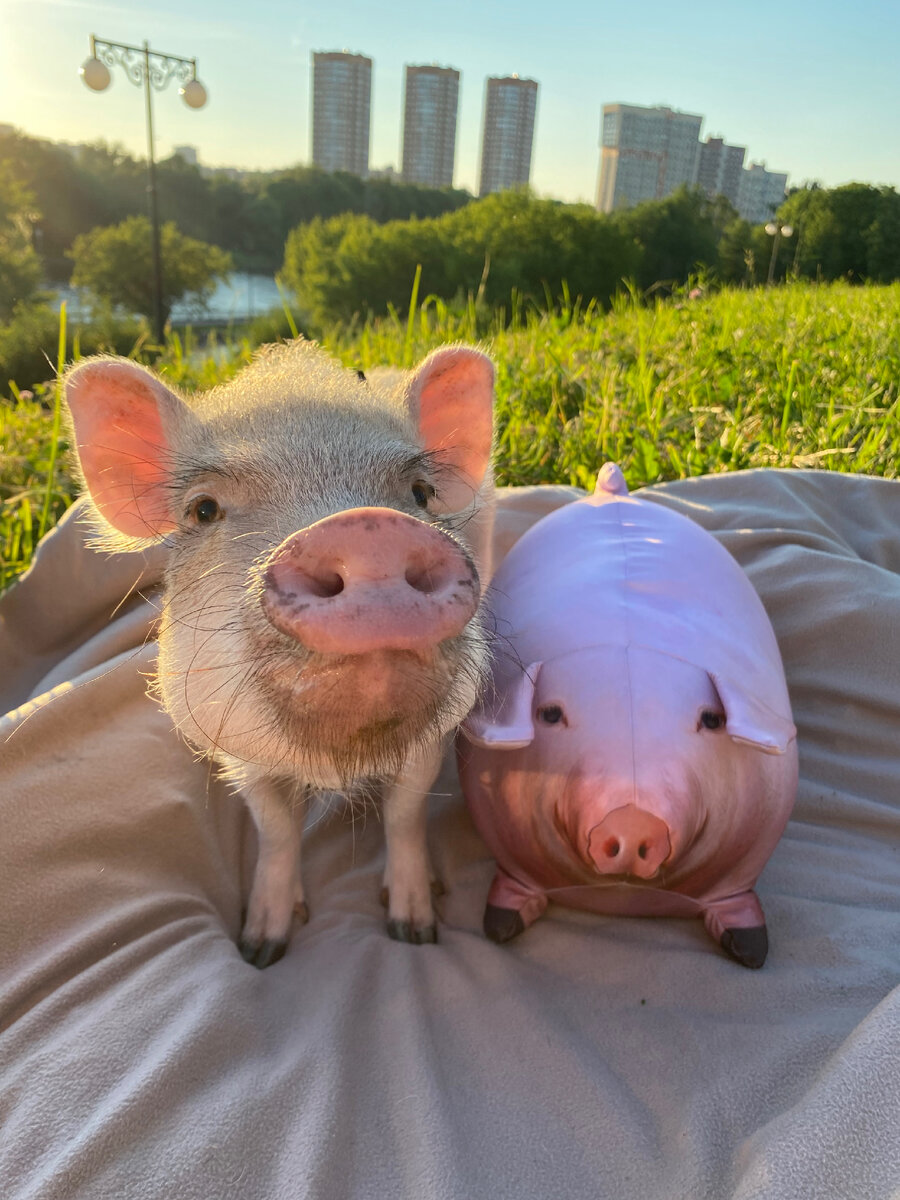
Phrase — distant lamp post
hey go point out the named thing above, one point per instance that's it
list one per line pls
(152, 70)
(776, 232)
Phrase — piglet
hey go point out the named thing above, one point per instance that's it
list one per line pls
(635, 751)
(320, 620)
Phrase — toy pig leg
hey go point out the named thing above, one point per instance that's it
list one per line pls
(737, 923)
(511, 908)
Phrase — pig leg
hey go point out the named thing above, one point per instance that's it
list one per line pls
(511, 908)
(277, 890)
(407, 873)
(737, 923)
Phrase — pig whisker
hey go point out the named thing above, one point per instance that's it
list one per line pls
(132, 591)
(238, 537)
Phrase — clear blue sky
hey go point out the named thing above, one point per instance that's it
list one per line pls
(811, 88)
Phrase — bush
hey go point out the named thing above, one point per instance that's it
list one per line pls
(29, 344)
(115, 265)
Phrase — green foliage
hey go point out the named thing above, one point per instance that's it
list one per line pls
(115, 265)
(28, 344)
(511, 248)
(20, 268)
(676, 237)
(31, 497)
(505, 249)
(800, 376)
(850, 232)
(249, 217)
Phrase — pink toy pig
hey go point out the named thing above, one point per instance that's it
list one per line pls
(636, 752)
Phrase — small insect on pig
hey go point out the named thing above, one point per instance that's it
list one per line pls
(635, 753)
(320, 618)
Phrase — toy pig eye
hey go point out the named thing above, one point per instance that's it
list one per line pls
(205, 510)
(422, 493)
(709, 719)
(551, 714)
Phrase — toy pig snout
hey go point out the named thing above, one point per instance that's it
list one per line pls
(629, 841)
(369, 579)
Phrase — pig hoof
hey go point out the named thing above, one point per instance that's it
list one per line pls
(502, 924)
(262, 954)
(749, 947)
(406, 931)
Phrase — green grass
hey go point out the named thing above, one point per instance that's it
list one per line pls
(800, 376)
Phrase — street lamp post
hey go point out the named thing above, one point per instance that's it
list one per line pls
(776, 232)
(151, 70)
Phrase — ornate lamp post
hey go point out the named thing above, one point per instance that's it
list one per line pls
(152, 70)
(776, 231)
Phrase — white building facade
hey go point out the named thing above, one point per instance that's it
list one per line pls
(761, 193)
(341, 111)
(430, 106)
(646, 154)
(510, 105)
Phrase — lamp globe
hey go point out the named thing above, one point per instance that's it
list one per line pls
(95, 74)
(193, 94)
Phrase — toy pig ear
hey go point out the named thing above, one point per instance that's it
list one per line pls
(750, 721)
(124, 419)
(505, 723)
(451, 397)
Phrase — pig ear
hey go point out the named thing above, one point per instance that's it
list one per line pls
(124, 419)
(505, 723)
(749, 721)
(451, 397)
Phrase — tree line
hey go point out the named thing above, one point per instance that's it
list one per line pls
(250, 218)
(541, 250)
(348, 249)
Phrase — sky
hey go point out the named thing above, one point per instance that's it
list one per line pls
(810, 88)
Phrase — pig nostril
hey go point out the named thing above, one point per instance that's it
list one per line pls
(611, 849)
(420, 579)
(326, 584)
(643, 850)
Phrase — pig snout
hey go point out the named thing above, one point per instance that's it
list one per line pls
(369, 579)
(629, 841)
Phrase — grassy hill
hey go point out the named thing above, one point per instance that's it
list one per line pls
(799, 376)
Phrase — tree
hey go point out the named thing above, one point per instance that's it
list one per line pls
(508, 242)
(676, 236)
(20, 268)
(846, 232)
(114, 264)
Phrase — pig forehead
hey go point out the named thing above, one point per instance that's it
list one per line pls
(318, 442)
(304, 417)
(613, 677)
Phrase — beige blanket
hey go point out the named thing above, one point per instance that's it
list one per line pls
(595, 1057)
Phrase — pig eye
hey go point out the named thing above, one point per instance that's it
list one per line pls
(551, 714)
(205, 510)
(709, 719)
(422, 493)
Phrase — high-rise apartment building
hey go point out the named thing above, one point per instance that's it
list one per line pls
(720, 169)
(761, 193)
(430, 105)
(646, 154)
(508, 133)
(341, 101)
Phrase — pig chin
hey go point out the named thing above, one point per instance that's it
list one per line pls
(363, 714)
